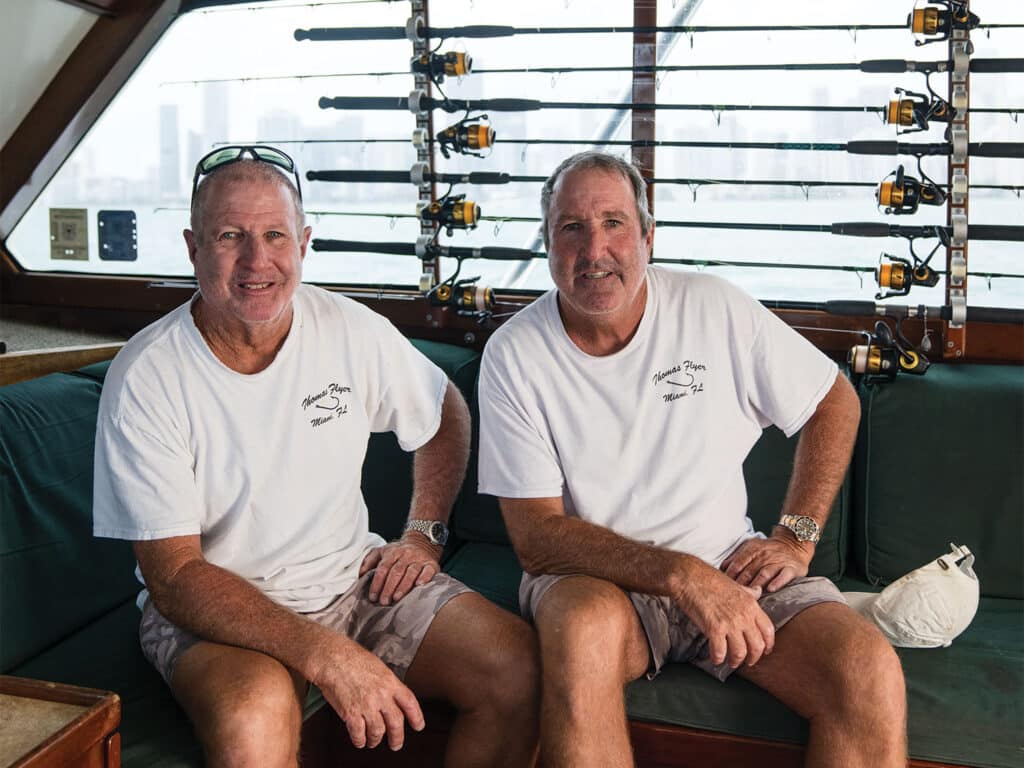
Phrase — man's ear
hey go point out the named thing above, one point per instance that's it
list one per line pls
(191, 244)
(306, 233)
(649, 241)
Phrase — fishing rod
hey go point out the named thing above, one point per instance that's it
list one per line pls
(1007, 232)
(850, 308)
(416, 29)
(418, 101)
(419, 176)
(426, 249)
(891, 66)
(230, 9)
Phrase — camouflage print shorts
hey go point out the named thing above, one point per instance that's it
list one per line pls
(391, 632)
(672, 636)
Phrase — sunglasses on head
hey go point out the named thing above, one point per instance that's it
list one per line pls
(218, 158)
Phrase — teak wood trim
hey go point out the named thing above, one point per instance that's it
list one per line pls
(31, 364)
(128, 304)
(87, 733)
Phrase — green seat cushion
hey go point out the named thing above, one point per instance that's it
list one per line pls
(492, 570)
(47, 436)
(767, 471)
(965, 702)
(939, 459)
(387, 470)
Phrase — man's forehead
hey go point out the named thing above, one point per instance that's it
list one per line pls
(249, 196)
(605, 188)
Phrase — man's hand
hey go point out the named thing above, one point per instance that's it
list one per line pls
(370, 699)
(401, 565)
(769, 563)
(737, 629)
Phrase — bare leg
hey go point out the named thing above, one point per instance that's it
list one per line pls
(591, 645)
(246, 707)
(483, 660)
(837, 670)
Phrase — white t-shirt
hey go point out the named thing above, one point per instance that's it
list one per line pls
(649, 441)
(265, 468)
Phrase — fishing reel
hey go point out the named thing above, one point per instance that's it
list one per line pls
(467, 137)
(464, 296)
(903, 194)
(451, 212)
(937, 22)
(896, 276)
(884, 355)
(914, 111)
(437, 66)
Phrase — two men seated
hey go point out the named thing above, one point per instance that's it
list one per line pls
(616, 412)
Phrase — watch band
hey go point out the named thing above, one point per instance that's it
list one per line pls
(434, 530)
(803, 527)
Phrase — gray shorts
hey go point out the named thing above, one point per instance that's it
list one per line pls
(672, 636)
(391, 632)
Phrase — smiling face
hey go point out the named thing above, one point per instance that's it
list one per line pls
(247, 254)
(597, 251)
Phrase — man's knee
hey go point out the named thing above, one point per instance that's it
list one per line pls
(242, 718)
(585, 621)
(868, 677)
(513, 683)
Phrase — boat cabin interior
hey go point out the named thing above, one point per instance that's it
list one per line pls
(856, 167)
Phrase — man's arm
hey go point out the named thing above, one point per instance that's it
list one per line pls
(822, 456)
(547, 541)
(439, 467)
(222, 607)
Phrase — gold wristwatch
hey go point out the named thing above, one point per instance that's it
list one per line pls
(803, 527)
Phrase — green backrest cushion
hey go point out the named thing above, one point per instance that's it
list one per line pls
(766, 470)
(941, 459)
(54, 576)
(477, 516)
(387, 470)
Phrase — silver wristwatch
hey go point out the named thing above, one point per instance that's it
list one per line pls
(803, 527)
(434, 530)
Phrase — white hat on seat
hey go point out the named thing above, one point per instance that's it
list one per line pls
(928, 607)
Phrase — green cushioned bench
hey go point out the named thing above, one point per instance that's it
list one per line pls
(917, 482)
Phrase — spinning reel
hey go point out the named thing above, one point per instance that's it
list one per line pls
(467, 137)
(437, 66)
(896, 275)
(937, 22)
(464, 296)
(914, 111)
(903, 194)
(451, 212)
(885, 355)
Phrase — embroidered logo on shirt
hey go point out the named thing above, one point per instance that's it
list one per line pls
(683, 380)
(326, 405)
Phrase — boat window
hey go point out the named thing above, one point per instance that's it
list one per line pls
(749, 194)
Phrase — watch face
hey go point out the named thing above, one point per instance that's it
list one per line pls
(438, 533)
(805, 528)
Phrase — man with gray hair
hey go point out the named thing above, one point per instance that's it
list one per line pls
(616, 413)
(229, 450)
